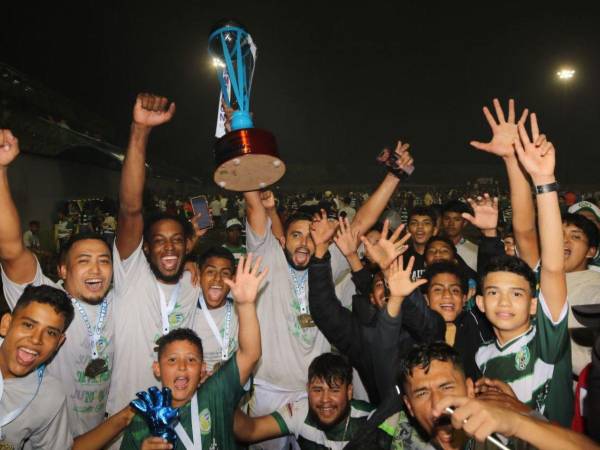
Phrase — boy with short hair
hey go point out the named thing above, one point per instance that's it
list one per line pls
(532, 356)
(33, 405)
(180, 365)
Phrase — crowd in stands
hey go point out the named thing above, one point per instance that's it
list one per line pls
(450, 319)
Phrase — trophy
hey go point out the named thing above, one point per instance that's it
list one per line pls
(246, 158)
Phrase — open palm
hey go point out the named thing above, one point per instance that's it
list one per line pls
(248, 278)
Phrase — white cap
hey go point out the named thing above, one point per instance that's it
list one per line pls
(232, 223)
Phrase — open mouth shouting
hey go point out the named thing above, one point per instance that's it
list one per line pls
(181, 383)
(169, 262)
(301, 256)
(26, 357)
(95, 285)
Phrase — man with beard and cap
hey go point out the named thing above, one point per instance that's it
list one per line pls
(290, 338)
(329, 418)
(149, 261)
(84, 365)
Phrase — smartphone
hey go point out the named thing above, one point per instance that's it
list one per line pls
(200, 206)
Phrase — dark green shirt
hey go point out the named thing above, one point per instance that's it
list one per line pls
(217, 399)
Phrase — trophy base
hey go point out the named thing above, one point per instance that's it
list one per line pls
(247, 160)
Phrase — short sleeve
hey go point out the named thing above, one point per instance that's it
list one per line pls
(291, 417)
(553, 337)
(260, 244)
(12, 290)
(339, 263)
(125, 270)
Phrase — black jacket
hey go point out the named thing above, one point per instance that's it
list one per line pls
(358, 340)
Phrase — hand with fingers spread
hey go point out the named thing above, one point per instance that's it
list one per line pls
(537, 155)
(399, 279)
(152, 110)
(9, 148)
(485, 214)
(386, 250)
(248, 278)
(346, 238)
(504, 131)
(322, 228)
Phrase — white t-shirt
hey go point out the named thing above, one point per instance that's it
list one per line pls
(583, 288)
(138, 324)
(44, 423)
(210, 344)
(287, 348)
(468, 252)
(31, 240)
(86, 397)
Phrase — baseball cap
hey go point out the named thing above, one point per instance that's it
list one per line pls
(585, 206)
(233, 223)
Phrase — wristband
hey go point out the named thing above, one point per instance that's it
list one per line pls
(544, 188)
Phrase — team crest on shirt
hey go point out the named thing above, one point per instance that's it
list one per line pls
(522, 358)
(205, 422)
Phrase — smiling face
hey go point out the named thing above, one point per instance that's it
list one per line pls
(508, 304)
(445, 295)
(421, 229)
(577, 248)
(299, 245)
(87, 270)
(166, 249)
(32, 335)
(180, 369)
(438, 251)
(214, 289)
(425, 388)
(329, 404)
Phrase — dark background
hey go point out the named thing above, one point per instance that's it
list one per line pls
(334, 82)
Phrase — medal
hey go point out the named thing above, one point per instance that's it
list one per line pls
(305, 320)
(95, 367)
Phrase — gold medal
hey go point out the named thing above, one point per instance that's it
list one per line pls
(95, 367)
(306, 320)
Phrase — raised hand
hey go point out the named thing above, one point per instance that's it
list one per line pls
(386, 250)
(151, 110)
(267, 199)
(346, 238)
(248, 278)
(504, 131)
(537, 155)
(9, 147)
(399, 279)
(322, 228)
(155, 407)
(398, 162)
(486, 213)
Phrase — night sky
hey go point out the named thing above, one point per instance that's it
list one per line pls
(334, 83)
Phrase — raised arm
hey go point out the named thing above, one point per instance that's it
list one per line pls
(256, 214)
(268, 201)
(538, 157)
(18, 262)
(368, 214)
(244, 290)
(505, 133)
(149, 111)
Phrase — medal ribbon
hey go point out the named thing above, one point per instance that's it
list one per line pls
(299, 288)
(96, 333)
(17, 412)
(196, 444)
(166, 309)
(223, 341)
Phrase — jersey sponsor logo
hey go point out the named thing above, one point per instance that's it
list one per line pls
(522, 358)
(205, 422)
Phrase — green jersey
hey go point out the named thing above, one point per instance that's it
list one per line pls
(294, 418)
(217, 399)
(537, 364)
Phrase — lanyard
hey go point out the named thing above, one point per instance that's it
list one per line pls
(196, 444)
(96, 333)
(166, 309)
(223, 341)
(17, 412)
(299, 288)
